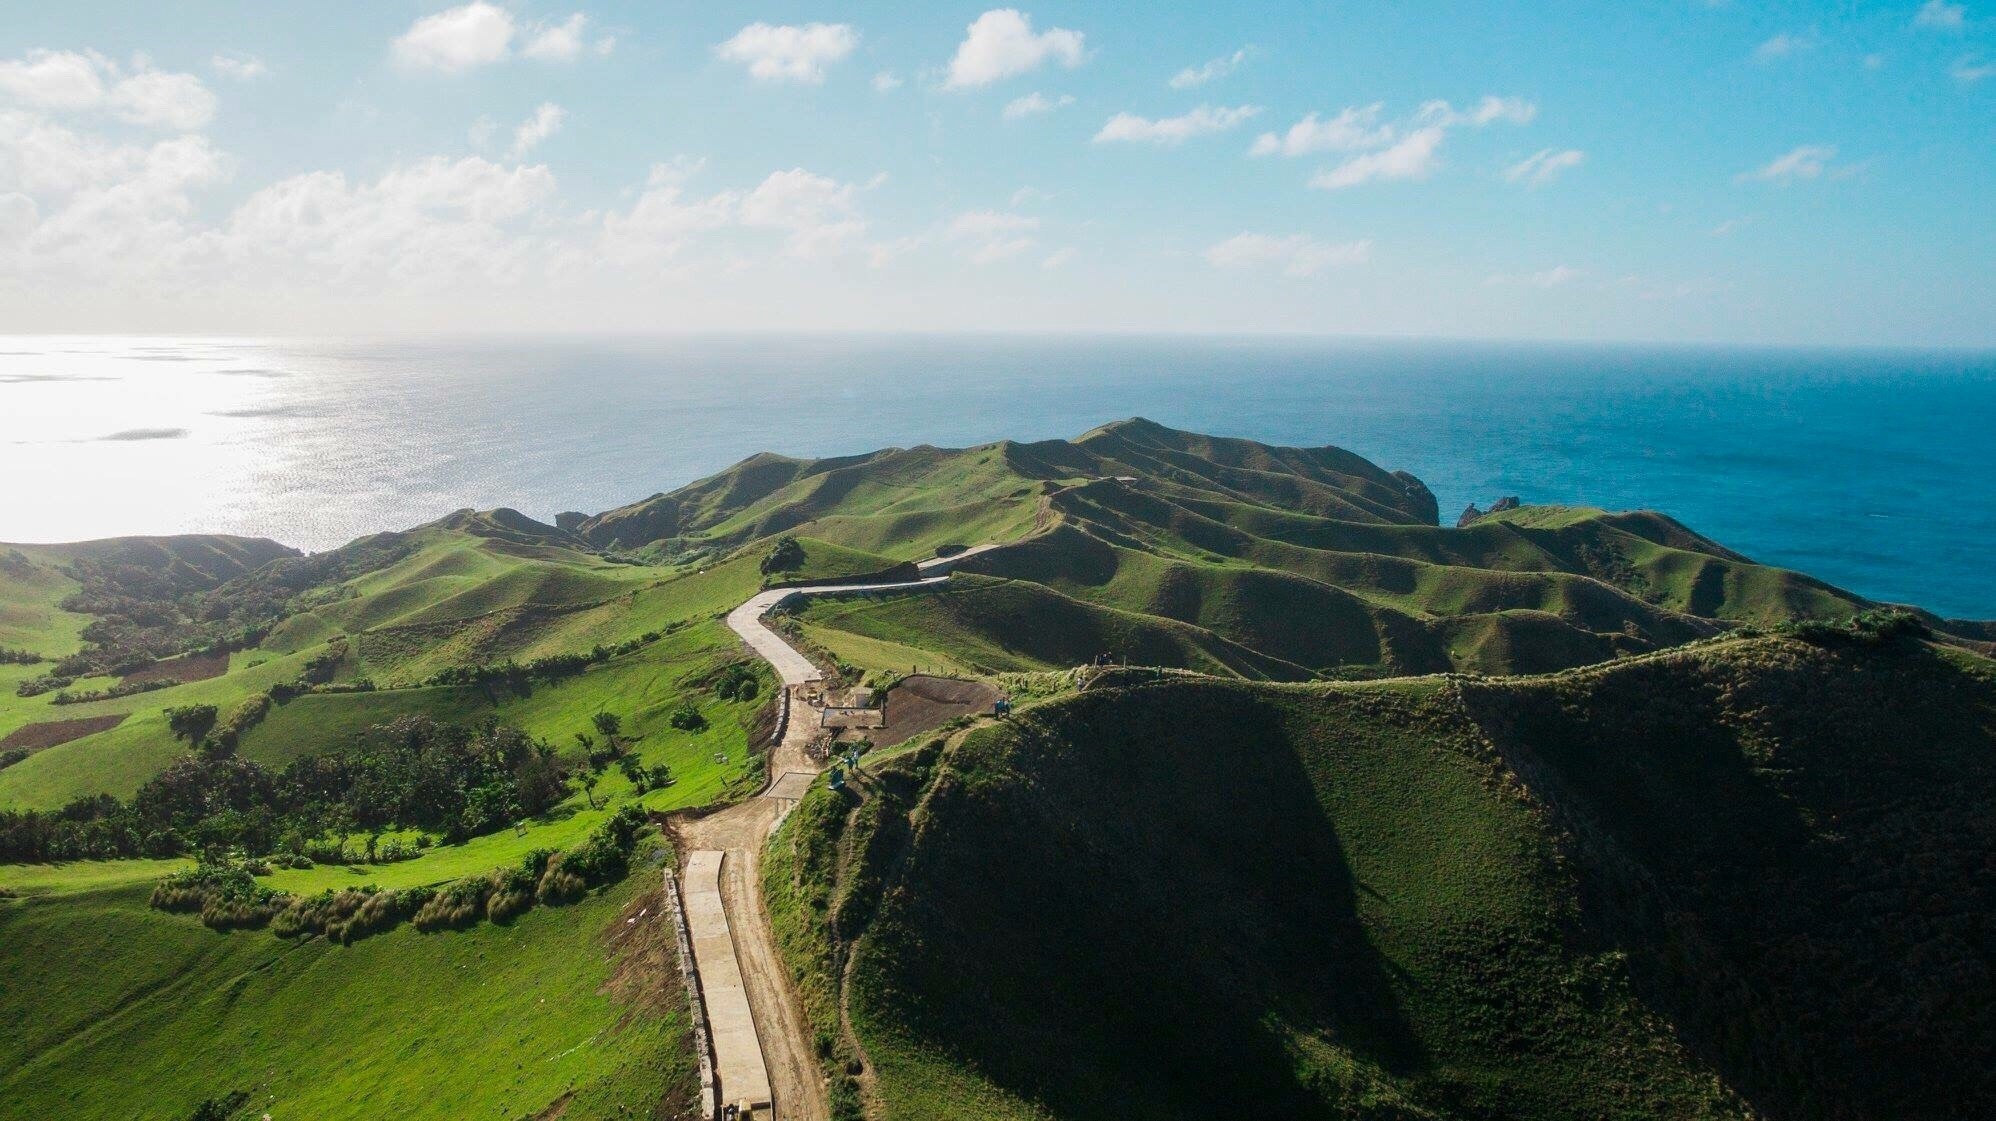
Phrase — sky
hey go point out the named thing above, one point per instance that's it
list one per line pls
(1676, 170)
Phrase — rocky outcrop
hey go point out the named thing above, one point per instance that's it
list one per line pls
(1472, 514)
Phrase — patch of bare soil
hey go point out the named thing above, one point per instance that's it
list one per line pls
(921, 703)
(186, 668)
(49, 733)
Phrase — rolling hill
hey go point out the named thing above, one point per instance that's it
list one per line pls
(1748, 878)
(1333, 853)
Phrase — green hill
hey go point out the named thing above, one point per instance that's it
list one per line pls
(1324, 565)
(1330, 899)
(1689, 885)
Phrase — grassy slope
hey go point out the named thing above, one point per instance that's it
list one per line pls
(452, 600)
(118, 1011)
(1323, 895)
(1012, 625)
(1792, 843)
(1341, 898)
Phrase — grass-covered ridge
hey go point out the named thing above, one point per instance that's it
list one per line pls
(1663, 888)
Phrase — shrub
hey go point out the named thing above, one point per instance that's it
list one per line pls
(455, 905)
(559, 886)
(224, 892)
(220, 1109)
(786, 556)
(737, 682)
(191, 722)
(121, 689)
(686, 718)
(36, 686)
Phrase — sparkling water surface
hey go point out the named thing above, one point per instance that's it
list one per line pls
(1875, 470)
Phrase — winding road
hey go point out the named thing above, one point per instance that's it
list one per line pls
(763, 1055)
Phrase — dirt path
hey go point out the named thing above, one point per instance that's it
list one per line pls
(738, 834)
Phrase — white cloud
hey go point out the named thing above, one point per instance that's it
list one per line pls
(1194, 76)
(789, 53)
(1970, 68)
(1034, 103)
(1490, 110)
(1412, 157)
(77, 203)
(993, 235)
(1807, 161)
(1297, 255)
(1204, 120)
(1354, 128)
(65, 81)
(1783, 46)
(1874, 61)
(1059, 258)
(885, 81)
(663, 219)
(1543, 166)
(818, 213)
(1732, 225)
(429, 224)
(1001, 44)
(1941, 14)
(241, 67)
(482, 131)
(456, 39)
(545, 122)
(1549, 278)
(59, 80)
(558, 42)
(1028, 195)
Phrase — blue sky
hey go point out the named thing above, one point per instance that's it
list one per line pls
(1676, 170)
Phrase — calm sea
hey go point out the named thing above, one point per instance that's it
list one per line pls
(1875, 470)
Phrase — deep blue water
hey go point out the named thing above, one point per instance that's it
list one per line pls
(1874, 470)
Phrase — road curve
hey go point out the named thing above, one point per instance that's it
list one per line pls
(794, 668)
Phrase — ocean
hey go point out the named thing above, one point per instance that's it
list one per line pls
(1874, 470)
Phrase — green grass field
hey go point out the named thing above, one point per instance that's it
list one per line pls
(118, 1011)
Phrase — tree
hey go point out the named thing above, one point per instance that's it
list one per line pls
(786, 556)
(190, 722)
(538, 782)
(589, 787)
(609, 724)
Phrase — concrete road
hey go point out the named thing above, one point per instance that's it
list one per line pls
(794, 668)
(763, 1043)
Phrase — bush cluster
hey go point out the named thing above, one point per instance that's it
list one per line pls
(1875, 627)
(12, 657)
(223, 890)
(121, 689)
(738, 681)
